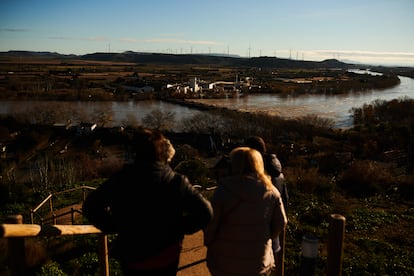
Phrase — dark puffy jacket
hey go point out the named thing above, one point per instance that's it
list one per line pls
(274, 168)
(150, 207)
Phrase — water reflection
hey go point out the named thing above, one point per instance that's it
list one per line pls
(117, 113)
(335, 107)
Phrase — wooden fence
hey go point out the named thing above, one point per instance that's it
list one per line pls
(49, 199)
(16, 232)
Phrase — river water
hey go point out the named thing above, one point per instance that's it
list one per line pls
(335, 107)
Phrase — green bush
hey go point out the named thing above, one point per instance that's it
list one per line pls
(366, 178)
(195, 170)
(52, 268)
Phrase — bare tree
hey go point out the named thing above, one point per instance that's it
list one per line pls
(66, 172)
(159, 120)
(42, 171)
(130, 120)
(203, 123)
(46, 113)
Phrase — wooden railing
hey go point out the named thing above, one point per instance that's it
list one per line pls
(16, 232)
(49, 199)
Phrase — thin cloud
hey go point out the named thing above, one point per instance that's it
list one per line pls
(361, 56)
(169, 40)
(358, 56)
(367, 53)
(14, 30)
(93, 38)
(129, 40)
(174, 34)
(61, 38)
(181, 41)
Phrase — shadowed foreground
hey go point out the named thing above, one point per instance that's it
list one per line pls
(193, 255)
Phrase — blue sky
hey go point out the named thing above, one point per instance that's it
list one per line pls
(370, 31)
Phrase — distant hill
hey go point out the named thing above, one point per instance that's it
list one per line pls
(32, 54)
(207, 59)
(266, 62)
(179, 59)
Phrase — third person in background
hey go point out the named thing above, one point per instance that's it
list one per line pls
(273, 167)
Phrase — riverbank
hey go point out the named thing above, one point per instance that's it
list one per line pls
(89, 87)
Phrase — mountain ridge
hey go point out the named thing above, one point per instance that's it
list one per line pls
(182, 59)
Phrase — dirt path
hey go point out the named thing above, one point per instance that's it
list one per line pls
(64, 215)
(193, 254)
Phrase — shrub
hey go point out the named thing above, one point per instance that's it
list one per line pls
(309, 180)
(365, 178)
(195, 170)
(51, 268)
(406, 188)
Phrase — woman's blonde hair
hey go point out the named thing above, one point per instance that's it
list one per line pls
(245, 160)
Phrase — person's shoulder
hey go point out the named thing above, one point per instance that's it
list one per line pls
(274, 192)
(270, 156)
(181, 181)
(180, 177)
(271, 160)
(125, 172)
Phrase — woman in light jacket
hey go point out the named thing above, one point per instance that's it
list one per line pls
(248, 214)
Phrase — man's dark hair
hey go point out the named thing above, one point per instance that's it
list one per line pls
(150, 146)
(257, 143)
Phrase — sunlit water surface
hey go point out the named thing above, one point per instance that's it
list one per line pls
(335, 107)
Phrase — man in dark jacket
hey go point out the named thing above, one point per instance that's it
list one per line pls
(150, 206)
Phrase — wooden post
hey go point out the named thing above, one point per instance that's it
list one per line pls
(83, 195)
(15, 219)
(280, 258)
(15, 235)
(72, 214)
(335, 244)
(103, 255)
(51, 203)
(32, 216)
(16, 250)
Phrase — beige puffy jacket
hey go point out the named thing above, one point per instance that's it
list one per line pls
(247, 215)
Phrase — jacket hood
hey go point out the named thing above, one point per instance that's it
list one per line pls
(247, 188)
